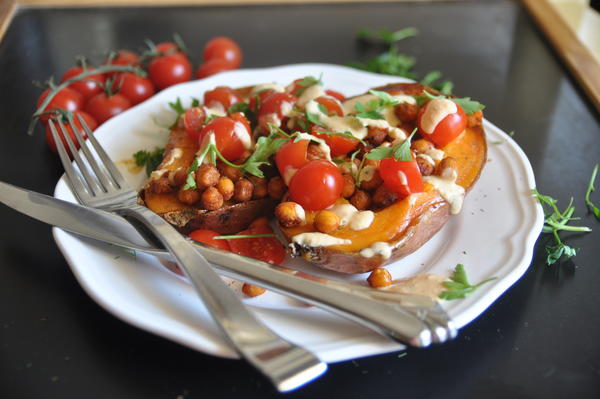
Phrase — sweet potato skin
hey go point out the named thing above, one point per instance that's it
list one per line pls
(469, 149)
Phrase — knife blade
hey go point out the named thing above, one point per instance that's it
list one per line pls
(413, 319)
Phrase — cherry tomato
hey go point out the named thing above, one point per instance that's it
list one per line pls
(332, 105)
(230, 136)
(135, 87)
(240, 117)
(317, 185)
(225, 49)
(447, 129)
(274, 108)
(102, 107)
(267, 249)
(86, 87)
(338, 145)
(208, 237)
(257, 99)
(403, 177)
(335, 94)
(212, 67)
(221, 96)
(167, 70)
(291, 157)
(122, 58)
(193, 120)
(68, 99)
(89, 120)
(297, 86)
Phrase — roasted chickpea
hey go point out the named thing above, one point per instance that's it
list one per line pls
(189, 196)
(225, 187)
(178, 177)
(211, 199)
(376, 135)
(384, 197)
(361, 200)
(374, 182)
(276, 188)
(260, 187)
(327, 221)
(421, 146)
(290, 214)
(474, 119)
(242, 190)
(425, 167)
(447, 168)
(379, 278)
(406, 112)
(229, 171)
(349, 186)
(162, 185)
(315, 151)
(252, 290)
(206, 176)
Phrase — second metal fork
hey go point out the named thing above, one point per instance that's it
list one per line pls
(285, 364)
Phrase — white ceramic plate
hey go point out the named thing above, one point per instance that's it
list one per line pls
(494, 235)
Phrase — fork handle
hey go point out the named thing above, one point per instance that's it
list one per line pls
(287, 365)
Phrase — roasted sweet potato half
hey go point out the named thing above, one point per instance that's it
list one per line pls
(405, 225)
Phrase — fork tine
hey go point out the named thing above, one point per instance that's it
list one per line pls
(73, 178)
(108, 185)
(108, 163)
(87, 177)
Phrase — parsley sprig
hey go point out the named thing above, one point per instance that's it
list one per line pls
(556, 221)
(593, 208)
(307, 82)
(150, 159)
(372, 109)
(468, 105)
(459, 287)
(400, 152)
(385, 35)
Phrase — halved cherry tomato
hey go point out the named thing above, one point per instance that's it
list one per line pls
(208, 237)
(135, 87)
(240, 117)
(447, 129)
(338, 145)
(90, 122)
(274, 108)
(230, 136)
(167, 70)
(222, 96)
(103, 107)
(267, 249)
(335, 94)
(291, 157)
(223, 48)
(193, 120)
(317, 185)
(257, 99)
(403, 177)
(86, 87)
(68, 99)
(332, 105)
(212, 67)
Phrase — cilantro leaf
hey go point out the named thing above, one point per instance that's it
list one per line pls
(380, 153)
(265, 148)
(195, 102)
(177, 107)
(386, 99)
(323, 109)
(459, 287)
(368, 112)
(385, 35)
(150, 159)
(400, 152)
(430, 78)
(239, 107)
(593, 208)
(190, 181)
(313, 118)
(555, 221)
(306, 82)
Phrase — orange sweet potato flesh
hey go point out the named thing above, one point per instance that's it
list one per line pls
(230, 219)
(407, 224)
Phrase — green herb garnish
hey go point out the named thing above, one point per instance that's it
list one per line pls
(459, 287)
(307, 82)
(239, 107)
(400, 152)
(385, 35)
(593, 208)
(150, 159)
(195, 102)
(343, 134)
(177, 106)
(556, 221)
(233, 237)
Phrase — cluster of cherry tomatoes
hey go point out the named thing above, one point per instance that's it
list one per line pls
(97, 97)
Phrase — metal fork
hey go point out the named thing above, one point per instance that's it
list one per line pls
(287, 365)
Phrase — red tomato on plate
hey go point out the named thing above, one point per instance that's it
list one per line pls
(223, 96)
(316, 185)
(208, 237)
(267, 249)
(447, 129)
(403, 177)
(230, 135)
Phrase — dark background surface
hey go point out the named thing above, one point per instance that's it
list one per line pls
(540, 339)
